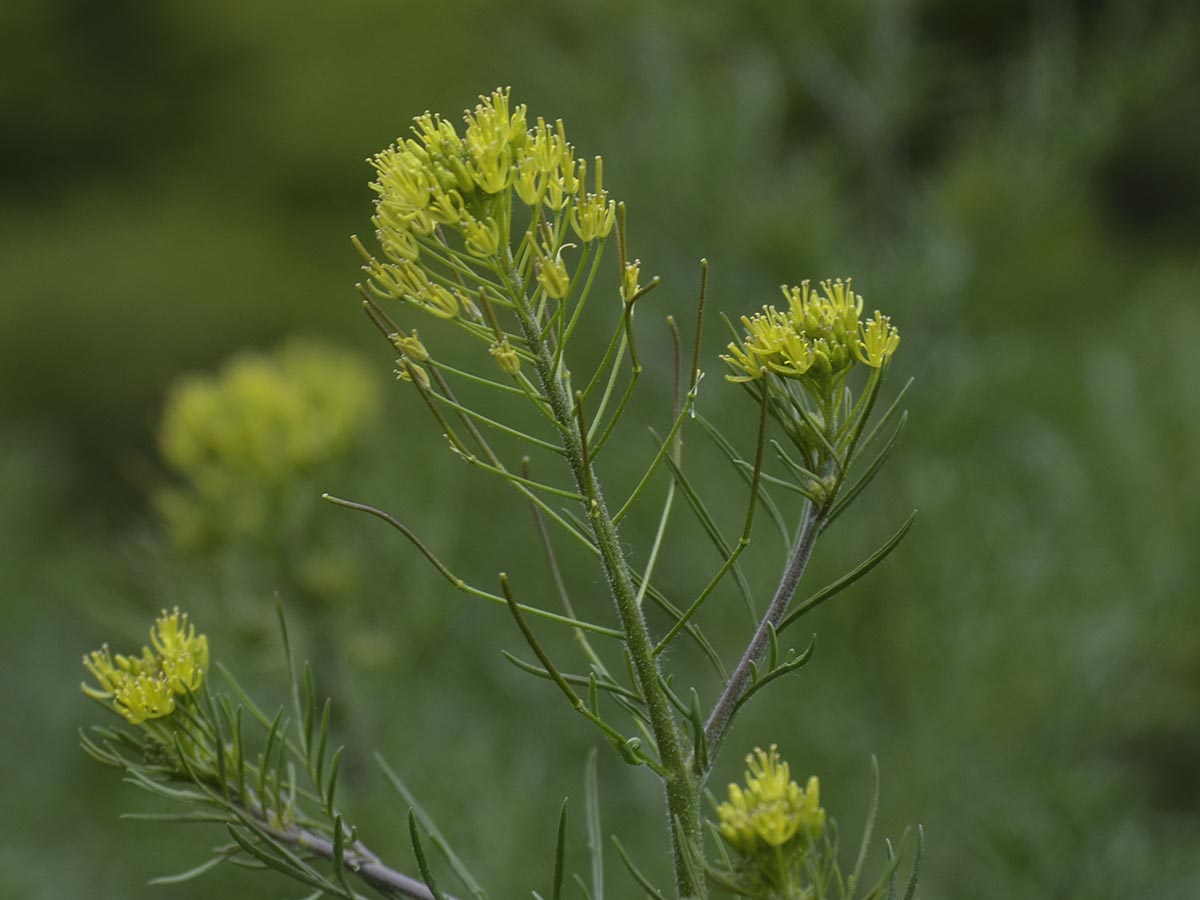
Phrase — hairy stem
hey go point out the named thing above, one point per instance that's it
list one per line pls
(682, 787)
(721, 716)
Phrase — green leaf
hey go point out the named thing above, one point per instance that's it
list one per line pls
(760, 680)
(911, 890)
(439, 840)
(868, 830)
(339, 857)
(867, 477)
(317, 763)
(419, 853)
(309, 713)
(331, 786)
(582, 885)
(881, 424)
(560, 853)
(643, 882)
(744, 470)
(284, 862)
(852, 576)
(710, 527)
(591, 796)
(582, 680)
(196, 872)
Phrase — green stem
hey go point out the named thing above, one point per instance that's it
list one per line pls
(682, 787)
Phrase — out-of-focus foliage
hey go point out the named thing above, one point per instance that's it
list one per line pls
(254, 436)
(1020, 186)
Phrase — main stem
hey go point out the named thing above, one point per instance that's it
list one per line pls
(682, 786)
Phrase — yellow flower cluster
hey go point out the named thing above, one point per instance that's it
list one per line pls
(772, 809)
(819, 334)
(242, 436)
(465, 183)
(144, 687)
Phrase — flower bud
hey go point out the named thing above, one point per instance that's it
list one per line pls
(410, 346)
(506, 357)
(553, 277)
(408, 369)
(629, 280)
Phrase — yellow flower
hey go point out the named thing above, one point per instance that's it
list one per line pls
(144, 687)
(766, 333)
(182, 654)
(530, 181)
(878, 340)
(746, 365)
(772, 809)
(492, 136)
(593, 215)
(111, 672)
(144, 696)
(817, 339)
(437, 135)
(795, 356)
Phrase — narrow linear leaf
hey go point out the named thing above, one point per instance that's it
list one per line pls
(744, 469)
(868, 829)
(852, 576)
(911, 890)
(287, 652)
(760, 681)
(881, 424)
(196, 872)
(444, 847)
(643, 882)
(582, 885)
(317, 762)
(339, 857)
(689, 854)
(419, 853)
(591, 796)
(582, 680)
(710, 527)
(560, 853)
(868, 476)
(331, 786)
(285, 863)
(175, 818)
(309, 713)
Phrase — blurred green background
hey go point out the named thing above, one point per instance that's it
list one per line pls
(1018, 184)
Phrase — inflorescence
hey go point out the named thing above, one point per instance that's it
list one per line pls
(817, 338)
(771, 810)
(145, 686)
(466, 183)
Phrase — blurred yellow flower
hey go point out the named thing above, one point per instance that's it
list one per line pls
(241, 438)
(182, 654)
(144, 687)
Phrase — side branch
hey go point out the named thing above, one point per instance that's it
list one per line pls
(722, 714)
(362, 862)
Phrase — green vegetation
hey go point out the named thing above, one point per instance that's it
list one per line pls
(1019, 190)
